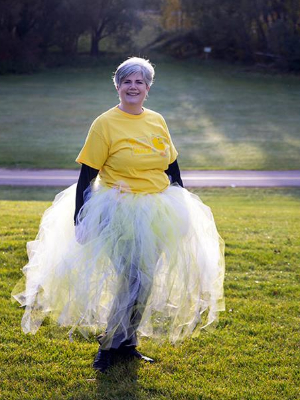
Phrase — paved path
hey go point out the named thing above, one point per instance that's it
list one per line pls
(65, 178)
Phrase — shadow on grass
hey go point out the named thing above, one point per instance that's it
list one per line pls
(121, 382)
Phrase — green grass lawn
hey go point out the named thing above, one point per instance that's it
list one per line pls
(252, 355)
(220, 116)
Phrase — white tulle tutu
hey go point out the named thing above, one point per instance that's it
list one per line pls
(161, 252)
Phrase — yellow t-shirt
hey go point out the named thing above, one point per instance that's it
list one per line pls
(131, 152)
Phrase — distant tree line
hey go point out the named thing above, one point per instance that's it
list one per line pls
(266, 31)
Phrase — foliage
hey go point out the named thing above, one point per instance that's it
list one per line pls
(251, 31)
(19, 45)
(107, 18)
(253, 354)
(29, 28)
(173, 16)
(248, 30)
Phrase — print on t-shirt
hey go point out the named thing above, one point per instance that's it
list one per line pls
(142, 146)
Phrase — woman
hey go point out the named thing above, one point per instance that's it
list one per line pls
(144, 256)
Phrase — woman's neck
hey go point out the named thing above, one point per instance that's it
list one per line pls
(134, 110)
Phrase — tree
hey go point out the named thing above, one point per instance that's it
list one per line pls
(106, 18)
(70, 23)
(248, 28)
(19, 44)
(174, 18)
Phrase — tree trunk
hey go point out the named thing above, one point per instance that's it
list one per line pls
(94, 51)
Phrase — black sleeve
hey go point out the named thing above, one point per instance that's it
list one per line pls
(87, 174)
(174, 173)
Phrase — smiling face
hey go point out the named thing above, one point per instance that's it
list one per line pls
(132, 93)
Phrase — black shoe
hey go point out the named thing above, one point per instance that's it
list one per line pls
(131, 352)
(103, 360)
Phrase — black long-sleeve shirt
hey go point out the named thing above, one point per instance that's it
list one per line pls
(87, 174)
(173, 173)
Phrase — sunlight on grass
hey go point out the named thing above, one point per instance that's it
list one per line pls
(220, 117)
(253, 354)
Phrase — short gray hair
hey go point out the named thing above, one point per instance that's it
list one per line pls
(132, 66)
